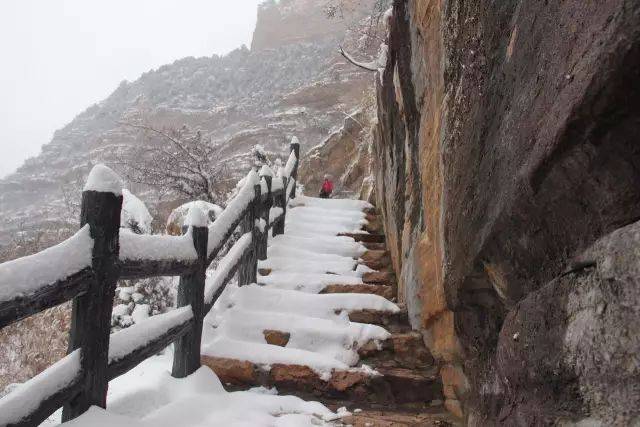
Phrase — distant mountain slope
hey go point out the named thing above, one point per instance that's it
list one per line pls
(289, 85)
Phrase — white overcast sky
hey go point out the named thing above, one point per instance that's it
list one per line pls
(57, 57)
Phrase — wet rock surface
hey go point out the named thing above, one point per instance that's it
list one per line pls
(505, 147)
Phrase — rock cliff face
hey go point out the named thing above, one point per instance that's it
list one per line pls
(506, 146)
(345, 155)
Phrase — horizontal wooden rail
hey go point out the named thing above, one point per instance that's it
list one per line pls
(100, 254)
(46, 297)
(227, 267)
(142, 269)
(129, 347)
(43, 394)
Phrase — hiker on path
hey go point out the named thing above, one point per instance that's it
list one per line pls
(327, 188)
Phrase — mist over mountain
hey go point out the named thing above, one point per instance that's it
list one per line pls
(292, 81)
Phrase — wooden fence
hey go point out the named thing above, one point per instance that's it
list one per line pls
(89, 274)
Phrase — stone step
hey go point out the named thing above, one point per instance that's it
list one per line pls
(434, 416)
(374, 224)
(393, 322)
(385, 291)
(376, 259)
(365, 237)
(379, 277)
(389, 385)
(404, 350)
(375, 246)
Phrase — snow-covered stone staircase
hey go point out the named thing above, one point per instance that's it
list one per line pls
(321, 322)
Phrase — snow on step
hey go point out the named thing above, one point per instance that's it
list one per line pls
(267, 355)
(281, 251)
(314, 329)
(317, 230)
(281, 263)
(339, 340)
(148, 396)
(341, 204)
(336, 245)
(314, 221)
(26, 275)
(328, 215)
(324, 306)
(306, 282)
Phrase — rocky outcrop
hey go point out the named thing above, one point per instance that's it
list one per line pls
(345, 155)
(505, 146)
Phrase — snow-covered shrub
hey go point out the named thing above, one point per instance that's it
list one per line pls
(138, 299)
(134, 214)
(175, 222)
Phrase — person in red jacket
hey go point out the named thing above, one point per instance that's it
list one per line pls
(327, 188)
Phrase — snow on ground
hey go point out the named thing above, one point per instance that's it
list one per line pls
(303, 261)
(147, 396)
(321, 335)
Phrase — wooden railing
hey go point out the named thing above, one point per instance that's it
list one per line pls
(87, 266)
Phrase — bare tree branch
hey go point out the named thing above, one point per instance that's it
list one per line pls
(366, 66)
(181, 160)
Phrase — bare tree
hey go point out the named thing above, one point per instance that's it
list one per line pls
(181, 160)
(361, 16)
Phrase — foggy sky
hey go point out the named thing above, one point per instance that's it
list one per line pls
(57, 57)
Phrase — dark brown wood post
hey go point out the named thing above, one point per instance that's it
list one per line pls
(265, 209)
(281, 202)
(248, 271)
(91, 316)
(295, 147)
(186, 358)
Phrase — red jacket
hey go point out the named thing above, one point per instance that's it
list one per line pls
(327, 186)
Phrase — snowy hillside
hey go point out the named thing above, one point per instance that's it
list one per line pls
(241, 99)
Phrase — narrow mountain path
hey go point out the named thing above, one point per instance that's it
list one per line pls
(322, 324)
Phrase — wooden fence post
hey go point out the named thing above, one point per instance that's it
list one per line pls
(295, 147)
(91, 317)
(186, 357)
(265, 210)
(281, 202)
(248, 271)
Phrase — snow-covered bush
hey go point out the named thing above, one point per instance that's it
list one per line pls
(136, 300)
(134, 214)
(175, 222)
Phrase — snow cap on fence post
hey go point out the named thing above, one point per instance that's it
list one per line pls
(295, 143)
(104, 180)
(196, 217)
(266, 171)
